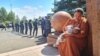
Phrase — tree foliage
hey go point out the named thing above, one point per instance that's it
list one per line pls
(68, 5)
(24, 18)
(6, 17)
(3, 14)
(17, 19)
(11, 16)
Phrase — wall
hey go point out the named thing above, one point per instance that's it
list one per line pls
(93, 14)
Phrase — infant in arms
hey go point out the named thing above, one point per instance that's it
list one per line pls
(70, 29)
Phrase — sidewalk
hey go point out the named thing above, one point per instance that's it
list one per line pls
(40, 50)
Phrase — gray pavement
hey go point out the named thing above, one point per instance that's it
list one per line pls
(10, 41)
(39, 50)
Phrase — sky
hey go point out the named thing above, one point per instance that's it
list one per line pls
(29, 8)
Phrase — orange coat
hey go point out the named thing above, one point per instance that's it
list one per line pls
(72, 45)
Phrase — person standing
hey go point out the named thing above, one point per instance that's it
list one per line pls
(13, 27)
(18, 27)
(26, 26)
(22, 27)
(35, 25)
(42, 26)
(47, 28)
(30, 26)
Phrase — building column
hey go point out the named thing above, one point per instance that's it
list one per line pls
(93, 15)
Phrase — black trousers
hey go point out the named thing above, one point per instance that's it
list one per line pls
(46, 32)
(30, 31)
(35, 31)
(26, 30)
(42, 31)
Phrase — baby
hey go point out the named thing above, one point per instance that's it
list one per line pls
(69, 30)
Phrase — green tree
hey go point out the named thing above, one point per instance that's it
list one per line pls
(3, 14)
(11, 16)
(24, 18)
(17, 19)
(39, 17)
(68, 5)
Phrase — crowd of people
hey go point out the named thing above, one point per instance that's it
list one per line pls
(31, 27)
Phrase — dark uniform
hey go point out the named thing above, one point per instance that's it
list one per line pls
(30, 26)
(42, 26)
(22, 27)
(47, 28)
(17, 27)
(35, 24)
(13, 28)
(26, 27)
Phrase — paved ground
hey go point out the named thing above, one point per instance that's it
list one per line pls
(40, 50)
(12, 41)
(14, 44)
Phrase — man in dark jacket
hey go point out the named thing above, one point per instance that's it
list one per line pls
(42, 26)
(26, 26)
(22, 27)
(30, 26)
(13, 27)
(47, 27)
(35, 25)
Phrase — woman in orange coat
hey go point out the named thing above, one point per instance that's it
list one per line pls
(74, 43)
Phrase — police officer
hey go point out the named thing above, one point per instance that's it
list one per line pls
(18, 27)
(22, 27)
(26, 26)
(13, 28)
(42, 26)
(47, 28)
(30, 26)
(35, 25)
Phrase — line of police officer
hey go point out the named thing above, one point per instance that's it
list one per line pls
(24, 26)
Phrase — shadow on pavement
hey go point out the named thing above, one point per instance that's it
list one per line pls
(40, 40)
(50, 51)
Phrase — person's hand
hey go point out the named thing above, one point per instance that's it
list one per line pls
(76, 31)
